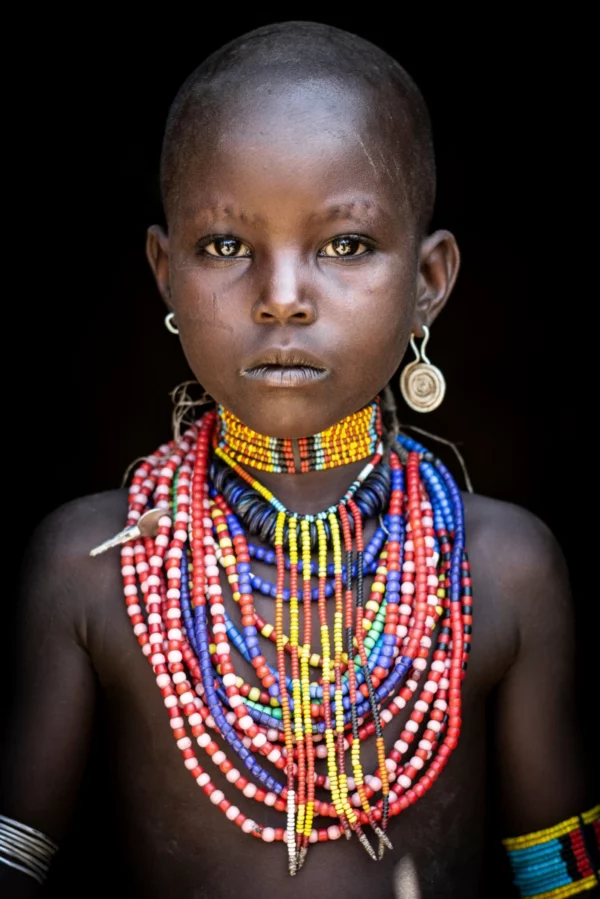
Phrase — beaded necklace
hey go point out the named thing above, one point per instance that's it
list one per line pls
(350, 440)
(374, 663)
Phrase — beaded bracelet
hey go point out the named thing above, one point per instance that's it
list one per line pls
(560, 861)
(25, 849)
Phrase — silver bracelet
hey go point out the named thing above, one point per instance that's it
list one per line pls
(25, 849)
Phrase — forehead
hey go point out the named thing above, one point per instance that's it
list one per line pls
(270, 101)
(327, 134)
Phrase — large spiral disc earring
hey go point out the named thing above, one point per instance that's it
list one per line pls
(422, 384)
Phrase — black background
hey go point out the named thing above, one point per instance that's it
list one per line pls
(91, 365)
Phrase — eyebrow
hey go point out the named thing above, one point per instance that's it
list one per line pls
(353, 209)
(359, 210)
(219, 212)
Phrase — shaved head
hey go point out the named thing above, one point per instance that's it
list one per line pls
(261, 66)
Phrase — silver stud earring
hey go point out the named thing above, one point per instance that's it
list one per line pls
(170, 323)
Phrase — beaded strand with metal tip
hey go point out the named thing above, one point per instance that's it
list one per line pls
(284, 699)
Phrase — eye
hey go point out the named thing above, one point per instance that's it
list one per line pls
(225, 248)
(346, 245)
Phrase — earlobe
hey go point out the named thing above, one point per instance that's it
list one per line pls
(439, 263)
(157, 253)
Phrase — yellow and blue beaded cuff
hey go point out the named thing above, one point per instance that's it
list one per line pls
(560, 861)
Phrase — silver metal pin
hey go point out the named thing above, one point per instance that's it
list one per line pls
(147, 526)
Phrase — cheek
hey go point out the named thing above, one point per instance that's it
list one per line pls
(380, 316)
(208, 324)
(201, 301)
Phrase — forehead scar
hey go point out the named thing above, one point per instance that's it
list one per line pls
(354, 209)
(220, 212)
(368, 155)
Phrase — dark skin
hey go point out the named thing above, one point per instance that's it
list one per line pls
(327, 262)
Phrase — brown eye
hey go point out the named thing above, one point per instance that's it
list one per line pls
(344, 246)
(226, 248)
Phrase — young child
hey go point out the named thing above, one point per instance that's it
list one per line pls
(280, 631)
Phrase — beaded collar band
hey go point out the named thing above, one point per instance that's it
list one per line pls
(349, 440)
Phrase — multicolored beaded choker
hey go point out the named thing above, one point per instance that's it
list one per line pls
(378, 659)
(350, 440)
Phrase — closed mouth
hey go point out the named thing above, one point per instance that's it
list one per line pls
(285, 375)
(285, 367)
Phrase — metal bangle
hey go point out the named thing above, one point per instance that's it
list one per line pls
(26, 845)
(6, 861)
(25, 848)
(24, 857)
(31, 831)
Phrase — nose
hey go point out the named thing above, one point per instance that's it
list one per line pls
(285, 295)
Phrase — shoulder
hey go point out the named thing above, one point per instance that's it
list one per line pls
(517, 562)
(510, 536)
(66, 536)
(59, 578)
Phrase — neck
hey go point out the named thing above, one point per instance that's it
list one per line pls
(312, 491)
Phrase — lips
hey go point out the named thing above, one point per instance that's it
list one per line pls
(285, 368)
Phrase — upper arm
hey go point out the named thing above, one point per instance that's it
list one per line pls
(53, 682)
(540, 758)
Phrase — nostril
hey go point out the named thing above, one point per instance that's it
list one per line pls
(300, 316)
(269, 310)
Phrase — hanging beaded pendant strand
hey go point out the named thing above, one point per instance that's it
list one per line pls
(376, 665)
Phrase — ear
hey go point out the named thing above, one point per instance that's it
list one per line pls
(439, 261)
(157, 252)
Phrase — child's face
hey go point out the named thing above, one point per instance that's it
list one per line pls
(290, 241)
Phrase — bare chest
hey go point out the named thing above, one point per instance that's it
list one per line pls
(174, 836)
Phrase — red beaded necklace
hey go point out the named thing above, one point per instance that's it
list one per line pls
(380, 658)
